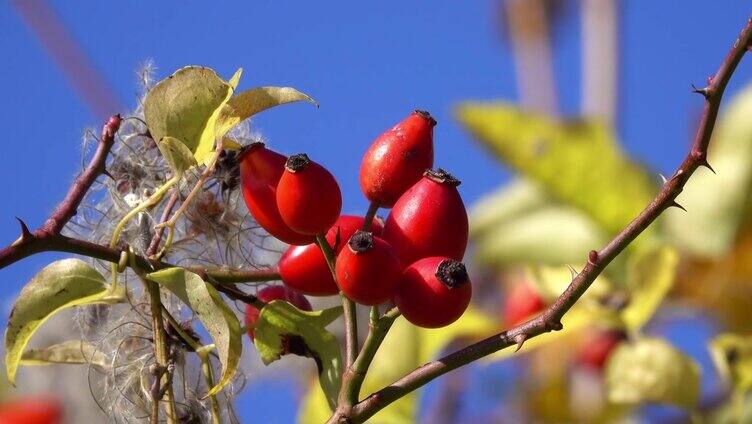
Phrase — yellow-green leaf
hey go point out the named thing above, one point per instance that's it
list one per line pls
(651, 370)
(68, 352)
(186, 105)
(60, 285)
(253, 101)
(218, 319)
(554, 235)
(280, 320)
(505, 204)
(578, 162)
(716, 203)
(651, 275)
(732, 356)
(176, 154)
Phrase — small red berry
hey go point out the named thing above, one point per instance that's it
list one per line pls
(38, 410)
(429, 220)
(597, 348)
(270, 293)
(260, 171)
(367, 269)
(397, 159)
(304, 268)
(521, 303)
(308, 196)
(434, 292)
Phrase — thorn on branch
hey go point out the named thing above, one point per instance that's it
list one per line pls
(572, 271)
(707, 165)
(705, 91)
(520, 340)
(554, 325)
(25, 233)
(676, 205)
(106, 173)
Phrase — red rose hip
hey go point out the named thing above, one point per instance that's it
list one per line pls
(521, 303)
(433, 292)
(397, 159)
(37, 410)
(308, 196)
(260, 171)
(268, 294)
(429, 220)
(367, 269)
(304, 268)
(597, 348)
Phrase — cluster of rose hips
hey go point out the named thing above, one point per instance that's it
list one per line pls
(413, 259)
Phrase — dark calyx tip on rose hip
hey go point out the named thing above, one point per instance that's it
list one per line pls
(249, 147)
(425, 114)
(442, 177)
(361, 241)
(452, 273)
(297, 162)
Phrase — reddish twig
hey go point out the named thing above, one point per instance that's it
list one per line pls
(550, 319)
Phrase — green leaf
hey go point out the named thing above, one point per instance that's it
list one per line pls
(280, 321)
(68, 352)
(253, 101)
(716, 203)
(553, 235)
(405, 348)
(732, 356)
(60, 285)
(578, 162)
(218, 319)
(651, 274)
(186, 105)
(176, 154)
(505, 204)
(651, 370)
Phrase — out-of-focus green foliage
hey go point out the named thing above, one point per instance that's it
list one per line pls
(732, 356)
(520, 224)
(716, 203)
(651, 370)
(578, 162)
(405, 348)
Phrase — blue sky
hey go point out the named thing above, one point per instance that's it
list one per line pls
(367, 63)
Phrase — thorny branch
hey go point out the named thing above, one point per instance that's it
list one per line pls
(550, 319)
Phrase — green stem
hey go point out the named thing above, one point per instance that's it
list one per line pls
(356, 373)
(348, 306)
(203, 354)
(161, 350)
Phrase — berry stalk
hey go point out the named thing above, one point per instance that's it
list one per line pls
(348, 306)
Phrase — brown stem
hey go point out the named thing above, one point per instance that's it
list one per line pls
(81, 185)
(550, 319)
